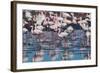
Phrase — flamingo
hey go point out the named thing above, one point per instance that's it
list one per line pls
(28, 15)
(70, 29)
(83, 24)
(63, 34)
(25, 30)
(64, 24)
(66, 15)
(40, 18)
(38, 30)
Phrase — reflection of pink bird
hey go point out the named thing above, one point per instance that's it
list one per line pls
(53, 58)
(71, 55)
(88, 34)
(25, 59)
(41, 52)
(53, 55)
(82, 49)
(37, 59)
(39, 56)
(65, 55)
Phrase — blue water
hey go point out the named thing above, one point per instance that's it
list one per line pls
(46, 57)
(31, 46)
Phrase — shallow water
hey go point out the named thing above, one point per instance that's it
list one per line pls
(55, 51)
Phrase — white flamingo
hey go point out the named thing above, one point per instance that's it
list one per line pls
(66, 15)
(40, 18)
(38, 30)
(28, 15)
(83, 24)
(25, 30)
(64, 24)
(70, 29)
(63, 34)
